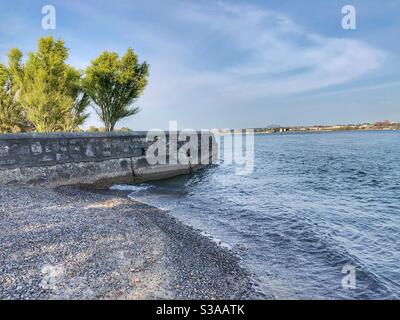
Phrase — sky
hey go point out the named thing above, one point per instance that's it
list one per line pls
(233, 63)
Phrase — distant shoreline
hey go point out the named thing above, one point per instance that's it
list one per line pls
(313, 129)
(326, 131)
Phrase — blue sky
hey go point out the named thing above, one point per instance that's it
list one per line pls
(225, 64)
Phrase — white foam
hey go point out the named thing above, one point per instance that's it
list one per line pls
(219, 242)
(126, 187)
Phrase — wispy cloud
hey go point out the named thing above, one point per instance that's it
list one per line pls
(241, 55)
(212, 57)
(273, 55)
(241, 51)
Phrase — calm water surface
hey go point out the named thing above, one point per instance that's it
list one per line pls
(314, 203)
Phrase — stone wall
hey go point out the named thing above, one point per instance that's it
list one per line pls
(89, 159)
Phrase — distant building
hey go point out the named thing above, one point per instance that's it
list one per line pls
(384, 123)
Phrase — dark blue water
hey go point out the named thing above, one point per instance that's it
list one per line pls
(314, 203)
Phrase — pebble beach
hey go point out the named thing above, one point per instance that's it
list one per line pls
(69, 243)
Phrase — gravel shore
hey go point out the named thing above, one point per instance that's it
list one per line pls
(74, 244)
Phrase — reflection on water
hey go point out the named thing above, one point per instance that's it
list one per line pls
(314, 203)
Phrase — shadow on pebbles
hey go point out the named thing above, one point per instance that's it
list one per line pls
(74, 244)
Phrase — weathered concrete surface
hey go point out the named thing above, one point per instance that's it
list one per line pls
(92, 159)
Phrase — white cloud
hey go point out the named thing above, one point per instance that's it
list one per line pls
(205, 57)
(280, 57)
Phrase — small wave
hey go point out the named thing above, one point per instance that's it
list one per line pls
(132, 188)
(219, 242)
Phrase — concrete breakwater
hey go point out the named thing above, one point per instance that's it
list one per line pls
(101, 159)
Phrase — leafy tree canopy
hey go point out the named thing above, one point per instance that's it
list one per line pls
(12, 117)
(114, 83)
(48, 89)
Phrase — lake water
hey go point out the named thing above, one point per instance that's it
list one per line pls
(315, 203)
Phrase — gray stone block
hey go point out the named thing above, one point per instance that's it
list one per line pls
(36, 148)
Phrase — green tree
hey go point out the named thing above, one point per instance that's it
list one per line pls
(114, 84)
(78, 115)
(48, 89)
(125, 129)
(93, 129)
(12, 117)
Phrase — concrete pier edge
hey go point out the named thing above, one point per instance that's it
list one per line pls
(95, 159)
